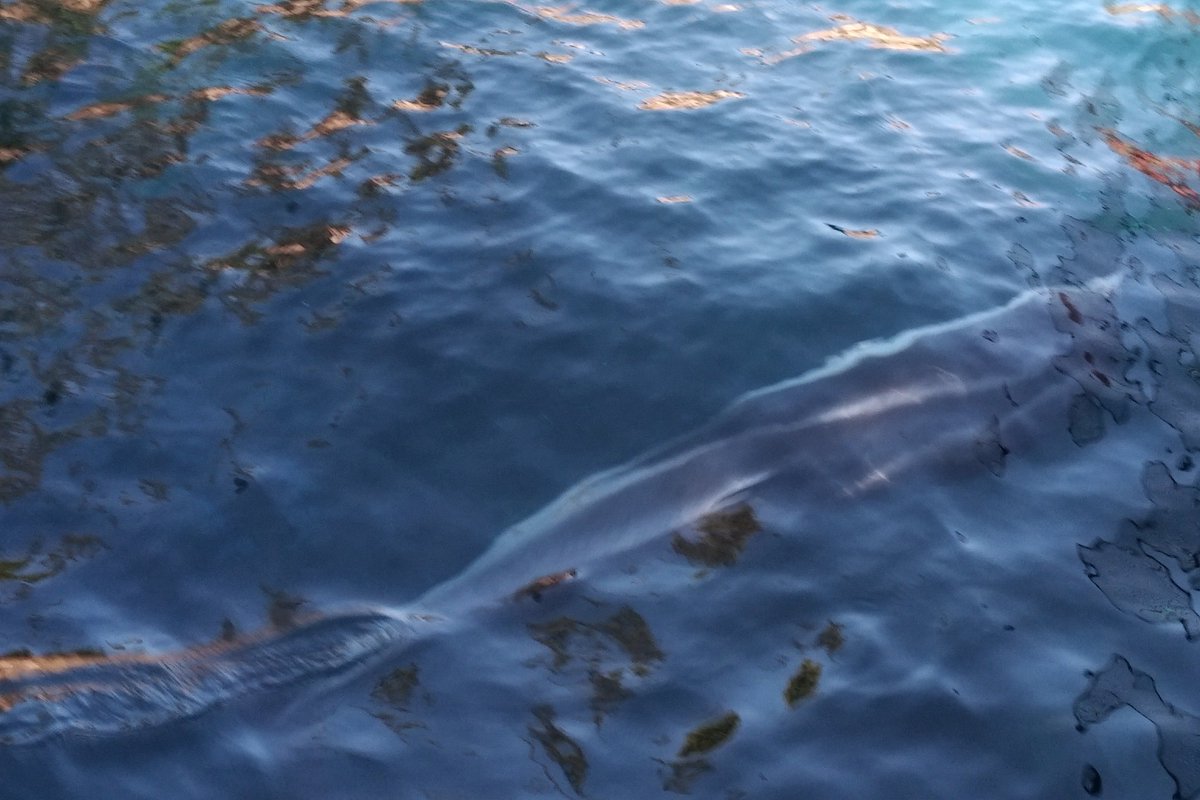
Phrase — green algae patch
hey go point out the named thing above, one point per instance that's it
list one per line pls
(710, 735)
(560, 748)
(804, 683)
(831, 638)
(723, 537)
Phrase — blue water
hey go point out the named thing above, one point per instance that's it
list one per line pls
(497, 400)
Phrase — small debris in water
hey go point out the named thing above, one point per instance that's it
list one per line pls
(803, 684)
(534, 588)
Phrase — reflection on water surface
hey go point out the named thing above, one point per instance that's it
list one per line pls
(316, 298)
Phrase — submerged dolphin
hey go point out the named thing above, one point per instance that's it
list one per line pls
(950, 399)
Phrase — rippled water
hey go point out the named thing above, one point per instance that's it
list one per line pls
(412, 399)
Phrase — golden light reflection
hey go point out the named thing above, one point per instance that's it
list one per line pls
(1163, 10)
(878, 36)
(684, 101)
(124, 133)
(24, 665)
(49, 13)
(9, 155)
(102, 110)
(568, 16)
(295, 177)
(226, 33)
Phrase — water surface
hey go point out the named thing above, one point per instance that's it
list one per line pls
(846, 355)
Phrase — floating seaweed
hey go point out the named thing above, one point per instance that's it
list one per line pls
(803, 684)
(831, 638)
(397, 686)
(560, 748)
(710, 735)
(626, 629)
(723, 536)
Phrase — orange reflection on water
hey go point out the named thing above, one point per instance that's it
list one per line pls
(1170, 172)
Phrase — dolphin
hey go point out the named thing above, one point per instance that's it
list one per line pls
(957, 398)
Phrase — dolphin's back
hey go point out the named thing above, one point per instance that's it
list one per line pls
(883, 408)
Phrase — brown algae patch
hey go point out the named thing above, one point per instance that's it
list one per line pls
(434, 95)
(684, 101)
(878, 36)
(556, 636)
(626, 629)
(607, 693)
(226, 33)
(803, 684)
(831, 638)
(294, 177)
(36, 566)
(396, 688)
(396, 691)
(560, 748)
(60, 13)
(723, 537)
(435, 152)
(112, 108)
(500, 158)
(710, 735)
(631, 633)
(292, 247)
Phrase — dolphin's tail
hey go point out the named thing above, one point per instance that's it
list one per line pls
(91, 692)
